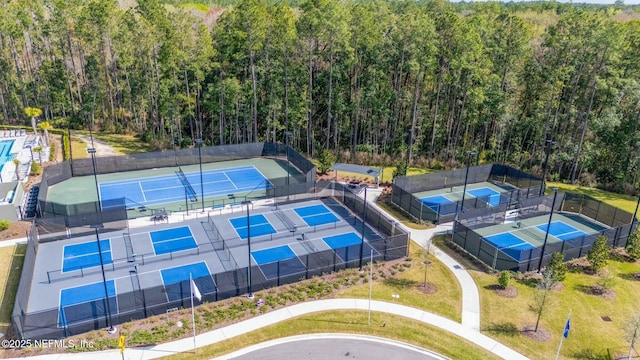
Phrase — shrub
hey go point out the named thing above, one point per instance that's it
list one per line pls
(325, 160)
(633, 245)
(401, 169)
(35, 169)
(598, 255)
(4, 224)
(504, 278)
(52, 151)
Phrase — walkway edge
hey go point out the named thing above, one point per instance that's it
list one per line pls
(258, 322)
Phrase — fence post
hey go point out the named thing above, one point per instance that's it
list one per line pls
(49, 277)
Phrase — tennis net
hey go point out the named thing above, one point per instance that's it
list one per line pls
(187, 186)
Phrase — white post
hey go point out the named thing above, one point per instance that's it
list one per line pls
(193, 316)
(564, 331)
(370, 283)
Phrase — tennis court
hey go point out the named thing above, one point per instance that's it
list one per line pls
(259, 226)
(316, 215)
(171, 188)
(172, 240)
(347, 245)
(561, 230)
(514, 239)
(176, 280)
(82, 299)
(85, 255)
(443, 203)
(278, 261)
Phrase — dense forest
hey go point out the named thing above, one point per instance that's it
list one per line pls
(377, 81)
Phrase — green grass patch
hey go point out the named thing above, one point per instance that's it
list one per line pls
(446, 301)
(78, 148)
(402, 216)
(355, 322)
(125, 144)
(11, 260)
(624, 202)
(503, 318)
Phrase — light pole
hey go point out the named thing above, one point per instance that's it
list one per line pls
(249, 291)
(470, 154)
(288, 134)
(199, 142)
(546, 235)
(92, 151)
(549, 143)
(364, 217)
(111, 329)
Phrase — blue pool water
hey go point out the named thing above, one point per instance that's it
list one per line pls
(5, 149)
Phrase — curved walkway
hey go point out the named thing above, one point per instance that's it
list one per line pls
(291, 312)
(470, 294)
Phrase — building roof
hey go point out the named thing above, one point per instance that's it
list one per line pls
(359, 169)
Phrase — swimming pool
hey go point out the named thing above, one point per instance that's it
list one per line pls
(5, 152)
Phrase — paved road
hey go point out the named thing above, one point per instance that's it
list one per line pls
(333, 346)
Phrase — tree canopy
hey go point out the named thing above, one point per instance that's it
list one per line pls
(387, 80)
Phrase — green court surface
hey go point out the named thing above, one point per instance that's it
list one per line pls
(82, 189)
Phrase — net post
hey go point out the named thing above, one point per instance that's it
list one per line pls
(49, 276)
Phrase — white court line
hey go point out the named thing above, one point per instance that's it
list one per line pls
(232, 183)
(142, 191)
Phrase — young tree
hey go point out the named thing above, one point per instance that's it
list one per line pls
(633, 245)
(401, 169)
(598, 256)
(542, 295)
(16, 162)
(38, 150)
(425, 262)
(33, 113)
(503, 279)
(557, 267)
(325, 161)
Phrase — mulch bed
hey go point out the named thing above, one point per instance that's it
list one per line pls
(510, 292)
(542, 335)
(601, 291)
(429, 289)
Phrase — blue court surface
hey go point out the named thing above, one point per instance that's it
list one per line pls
(493, 196)
(562, 230)
(347, 246)
(79, 303)
(278, 261)
(434, 203)
(172, 240)
(259, 226)
(85, 255)
(316, 215)
(510, 244)
(176, 280)
(169, 188)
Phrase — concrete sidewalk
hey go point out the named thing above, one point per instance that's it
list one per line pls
(258, 322)
(470, 294)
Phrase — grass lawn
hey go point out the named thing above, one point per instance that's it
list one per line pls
(11, 259)
(125, 144)
(353, 322)
(624, 202)
(78, 148)
(402, 217)
(590, 336)
(446, 301)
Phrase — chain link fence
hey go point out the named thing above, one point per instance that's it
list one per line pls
(404, 190)
(579, 208)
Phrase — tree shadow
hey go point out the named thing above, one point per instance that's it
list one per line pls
(586, 289)
(590, 354)
(634, 276)
(507, 328)
(400, 283)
